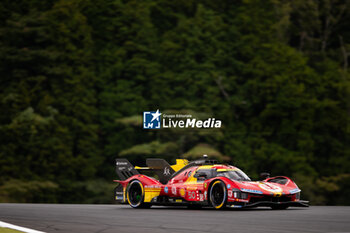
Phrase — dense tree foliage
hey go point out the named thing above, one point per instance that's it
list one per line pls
(76, 76)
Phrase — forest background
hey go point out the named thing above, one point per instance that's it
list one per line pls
(76, 76)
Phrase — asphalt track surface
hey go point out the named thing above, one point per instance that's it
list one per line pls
(122, 218)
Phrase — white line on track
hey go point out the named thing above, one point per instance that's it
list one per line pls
(18, 228)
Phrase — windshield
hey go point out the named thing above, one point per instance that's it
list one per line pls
(235, 174)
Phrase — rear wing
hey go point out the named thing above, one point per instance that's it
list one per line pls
(125, 169)
(162, 168)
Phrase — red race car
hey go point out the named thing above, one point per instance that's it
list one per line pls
(200, 183)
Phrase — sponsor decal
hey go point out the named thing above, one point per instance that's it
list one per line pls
(205, 194)
(251, 191)
(205, 185)
(182, 192)
(228, 186)
(119, 195)
(241, 200)
(166, 190)
(201, 197)
(152, 186)
(270, 187)
(173, 190)
(121, 163)
(229, 193)
(151, 120)
(166, 171)
(296, 190)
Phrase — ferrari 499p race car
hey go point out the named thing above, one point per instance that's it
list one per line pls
(200, 183)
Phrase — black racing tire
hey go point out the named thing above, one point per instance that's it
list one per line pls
(279, 207)
(218, 195)
(135, 195)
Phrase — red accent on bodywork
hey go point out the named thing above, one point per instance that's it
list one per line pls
(145, 180)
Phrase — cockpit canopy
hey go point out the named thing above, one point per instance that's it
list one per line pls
(234, 174)
(230, 173)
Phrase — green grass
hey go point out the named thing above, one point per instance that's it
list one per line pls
(7, 230)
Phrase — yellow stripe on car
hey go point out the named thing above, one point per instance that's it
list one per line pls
(150, 193)
(124, 189)
(180, 163)
(225, 170)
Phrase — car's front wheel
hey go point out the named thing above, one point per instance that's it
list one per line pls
(135, 195)
(218, 195)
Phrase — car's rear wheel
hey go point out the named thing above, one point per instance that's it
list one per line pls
(136, 194)
(218, 195)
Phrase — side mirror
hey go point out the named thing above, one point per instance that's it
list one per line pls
(200, 175)
(264, 175)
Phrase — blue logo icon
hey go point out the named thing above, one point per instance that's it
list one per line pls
(151, 120)
(166, 190)
(228, 186)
